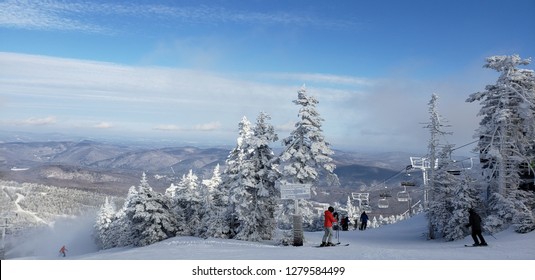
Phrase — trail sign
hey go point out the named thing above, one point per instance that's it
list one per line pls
(295, 191)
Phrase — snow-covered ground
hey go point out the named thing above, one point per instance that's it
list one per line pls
(377, 247)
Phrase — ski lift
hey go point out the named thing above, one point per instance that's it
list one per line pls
(366, 208)
(383, 200)
(383, 203)
(409, 182)
(363, 201)
(457, 171)
(403, 195)
(360, 196)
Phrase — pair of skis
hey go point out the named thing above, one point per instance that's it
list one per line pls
(335, 245)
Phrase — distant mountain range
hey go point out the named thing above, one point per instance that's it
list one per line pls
(113, 168)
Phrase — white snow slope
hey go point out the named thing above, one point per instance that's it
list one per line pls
(401, 241)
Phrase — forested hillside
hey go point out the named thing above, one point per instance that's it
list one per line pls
(28, 205)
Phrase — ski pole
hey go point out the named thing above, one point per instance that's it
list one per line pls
(338, 233)
(490, 233)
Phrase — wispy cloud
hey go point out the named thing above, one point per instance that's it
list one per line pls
(33, 121)
(167, 127)
(208, 126)
(157, 100)
(211, 126)
(319, 78)
(44, 15)
(77, 16)
(103, 125)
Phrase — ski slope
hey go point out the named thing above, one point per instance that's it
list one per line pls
(400, 248)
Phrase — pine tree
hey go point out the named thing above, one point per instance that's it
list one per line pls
(465, 195)
(507, 141)
(351, 210)
(215, 221)
(306, 153)
(233, 178)
(265, 174)
(150, 215)
(213, 183)
(453, 196)
(435, 128)
(254, 196)
(121, 227)
(102, 227)
(187, 204)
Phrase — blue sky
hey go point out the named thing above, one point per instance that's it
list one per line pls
(190, 70)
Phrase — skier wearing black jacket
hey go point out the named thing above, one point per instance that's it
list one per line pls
(474, 221)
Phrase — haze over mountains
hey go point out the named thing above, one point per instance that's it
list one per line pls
(113, 167)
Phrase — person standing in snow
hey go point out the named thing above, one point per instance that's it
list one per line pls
(363, 220)
(63, 251)
(328, 227)
(345, 223)
(337, 218)
(474, 221)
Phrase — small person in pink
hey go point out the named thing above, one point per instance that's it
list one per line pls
(63, 251)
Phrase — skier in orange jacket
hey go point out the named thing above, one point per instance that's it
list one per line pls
(328, 227)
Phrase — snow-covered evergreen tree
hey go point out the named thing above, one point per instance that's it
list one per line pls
(264, 164)
(187, 204)
(215, 221)
(306, 153)
(436, 213)
(454, 195)
(102, 227)
(121, 233)
(233, 178)
(373, 223)
(213, 183)
(254, 196)
(465, 195)
(151, 217)
(507, 141)
(351, 210)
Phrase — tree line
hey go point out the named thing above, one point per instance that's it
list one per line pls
(504, 192)
(243, 202)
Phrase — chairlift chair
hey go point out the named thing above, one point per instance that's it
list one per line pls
(457, 171)
(471, 164)
(360, 196)
(385, 195)
(383, 200)
(403, 195)
(366, 208)
(454, 172)
(382, 203)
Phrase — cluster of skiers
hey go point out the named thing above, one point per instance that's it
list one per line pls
(332, 221)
